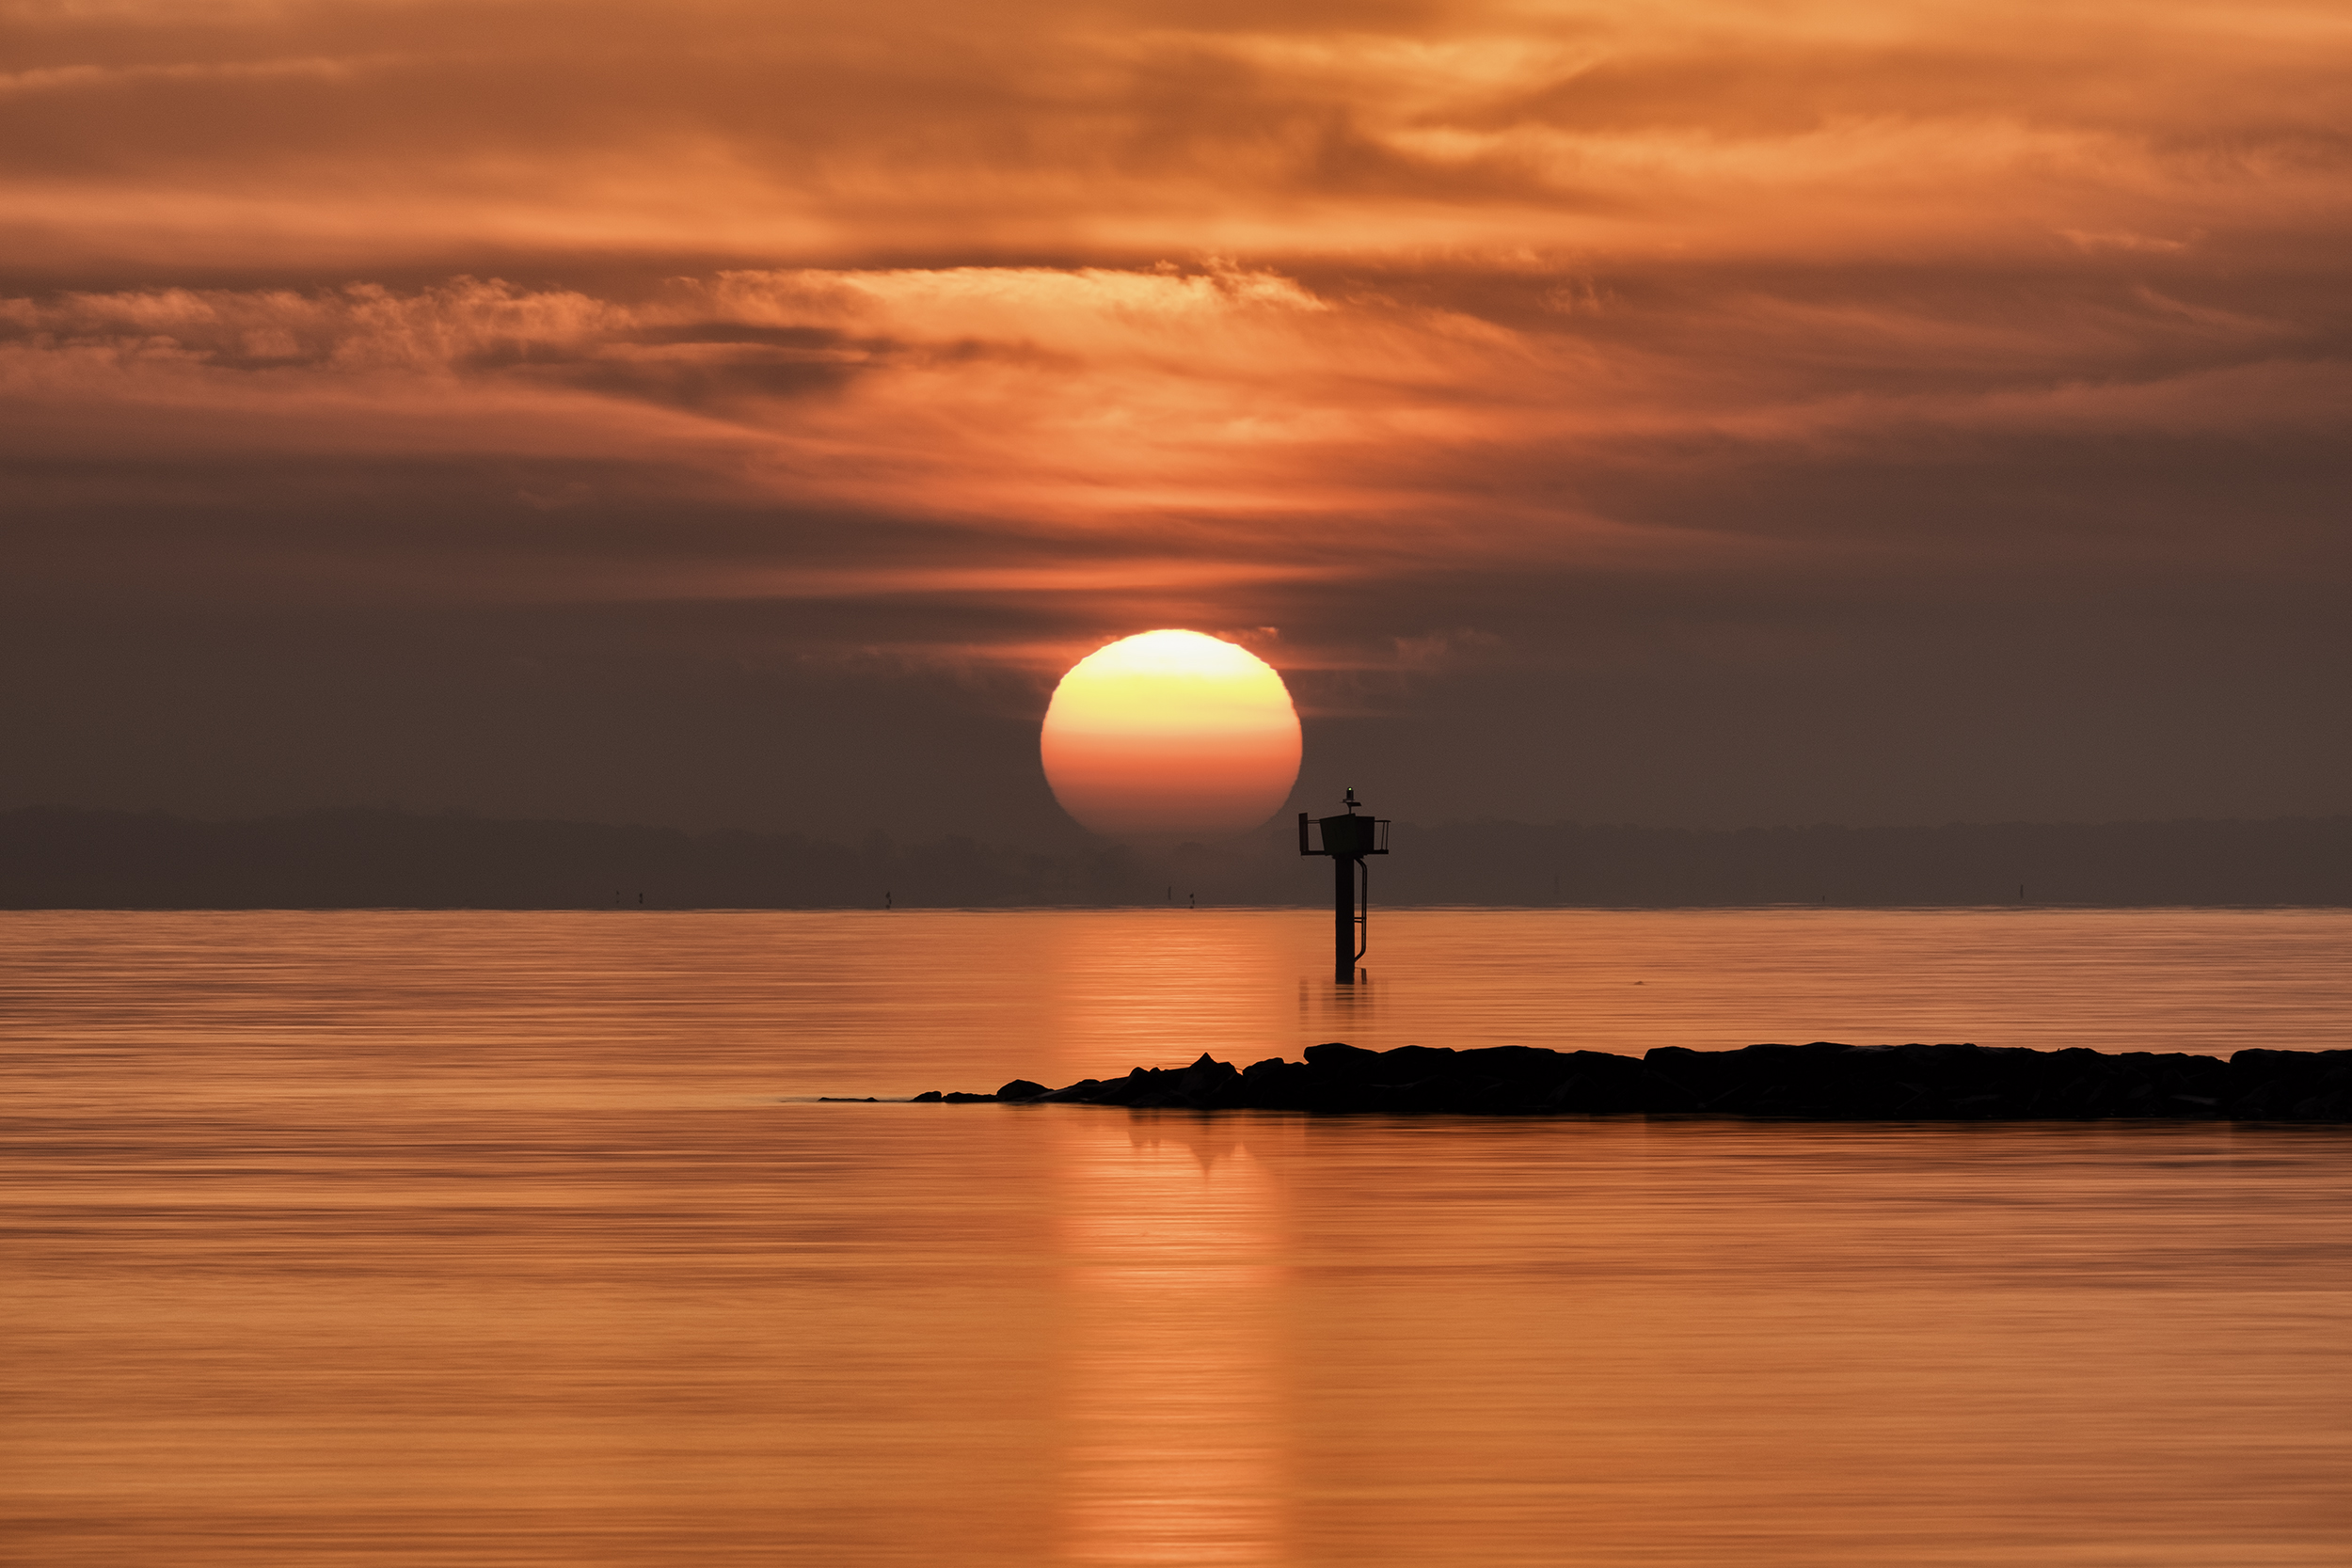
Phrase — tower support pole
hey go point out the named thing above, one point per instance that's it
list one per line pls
(1344, 919)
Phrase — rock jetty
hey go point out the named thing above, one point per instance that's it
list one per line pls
(1822, 1081)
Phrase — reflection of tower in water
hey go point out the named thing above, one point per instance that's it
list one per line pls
(1174, 1369)
(1351, 1013)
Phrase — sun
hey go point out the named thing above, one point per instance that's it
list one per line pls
(1170, 734)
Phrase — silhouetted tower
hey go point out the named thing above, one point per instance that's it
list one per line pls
(1348, 839)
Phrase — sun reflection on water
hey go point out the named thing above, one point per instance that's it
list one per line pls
(1174, 1362)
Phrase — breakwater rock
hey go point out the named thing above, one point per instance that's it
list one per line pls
(1819, 1081)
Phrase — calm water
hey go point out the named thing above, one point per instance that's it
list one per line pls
(508, 1239)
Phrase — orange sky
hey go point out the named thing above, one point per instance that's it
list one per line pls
(1939, 407)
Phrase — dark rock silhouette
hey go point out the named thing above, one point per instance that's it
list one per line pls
(1822, 1081)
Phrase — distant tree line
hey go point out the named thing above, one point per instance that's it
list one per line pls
(2290, 860)
(62, 858)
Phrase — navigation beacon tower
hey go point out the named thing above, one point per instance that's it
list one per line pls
(1348, 839)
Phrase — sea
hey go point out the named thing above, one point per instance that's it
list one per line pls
(506, 1239)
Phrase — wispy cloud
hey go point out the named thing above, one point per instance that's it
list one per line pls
(335, 135)
(1097, 420)
(1568, 337)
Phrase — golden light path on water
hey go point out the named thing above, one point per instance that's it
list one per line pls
(402, 1238)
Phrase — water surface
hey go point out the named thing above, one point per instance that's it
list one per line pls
(401, 1238)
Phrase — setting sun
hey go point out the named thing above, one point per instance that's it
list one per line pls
(1170, 734)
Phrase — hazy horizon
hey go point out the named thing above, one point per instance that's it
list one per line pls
(377, 857)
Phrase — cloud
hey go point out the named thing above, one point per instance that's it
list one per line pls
(338, 135)
(1134, 431)
(1654, 346)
